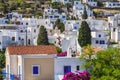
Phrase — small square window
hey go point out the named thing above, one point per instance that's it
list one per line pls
(99, 35)
(13, 38)
(26, 23)
(35, 70)
(76, 2)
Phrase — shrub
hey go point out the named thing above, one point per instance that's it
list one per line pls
(62, 54)
(77, 76)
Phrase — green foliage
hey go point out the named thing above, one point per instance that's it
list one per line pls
(84, 15)
(42, 36)
(2, 63)
(1, 77)
(59, 50)
(105, 66)
(96, 14)
(56, 5)
(38, 14)
(20, 1)
(113, 42)
(2, 59)
(60, 25)
(84, 37)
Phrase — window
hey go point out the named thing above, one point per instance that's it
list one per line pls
(78, 68)
(13, 38)
(19, 38)
(102, 42)
(51, 17)
(67, 69)
(29, 41)
(76, 2)
(97, 41)
(63, 16)
(26, 23)
(34, 30)
(99, 35)
(113, 29)
(118, 24)
(35, 70)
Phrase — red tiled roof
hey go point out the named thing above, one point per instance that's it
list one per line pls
(23, 50)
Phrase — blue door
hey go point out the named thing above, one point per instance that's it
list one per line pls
(67, 69)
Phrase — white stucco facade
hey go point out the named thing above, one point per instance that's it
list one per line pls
(61, 62)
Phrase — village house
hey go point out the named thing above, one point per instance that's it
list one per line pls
(78, 9)
(92, 3)
(112, 4)
(30, 62)
(8, 35)
(39, 63)
(53, 15)
(114, 24)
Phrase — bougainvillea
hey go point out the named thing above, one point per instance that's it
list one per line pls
(62, 54)
(77, 76)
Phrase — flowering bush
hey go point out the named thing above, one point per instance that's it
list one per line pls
(77, 76)
(62, 54)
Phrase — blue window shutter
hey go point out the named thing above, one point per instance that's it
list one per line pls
(35, 70)
(67, 69)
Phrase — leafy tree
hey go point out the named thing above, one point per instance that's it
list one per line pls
(84, 15)
(84, 37)
(60, 25)
(105, 65)
(42, 36)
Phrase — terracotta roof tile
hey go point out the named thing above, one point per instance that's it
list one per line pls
(24, 50)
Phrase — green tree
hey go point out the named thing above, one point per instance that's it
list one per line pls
(60, 25)
(105, 65)
(2, 63)
(84, 15)
(2, 59)
(42, 36)
(84, 37)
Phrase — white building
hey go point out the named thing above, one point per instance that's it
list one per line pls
(53, 15)
(112, 4)
(63, 1)
(3, 21)
(78, 10)
(100, 39)
(114, 24)
(14, 15)
(99, 32)
(8, 35)
(63, 65)
(90, 2)
(72, 25)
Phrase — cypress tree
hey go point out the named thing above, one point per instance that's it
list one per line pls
(42, 36)
(84, 37)
(84, 15)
